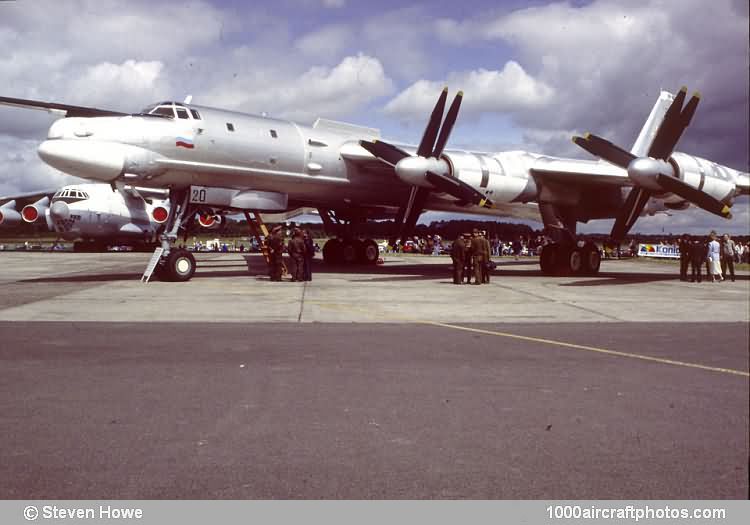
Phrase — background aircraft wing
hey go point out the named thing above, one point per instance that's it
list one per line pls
(27, 198)
(62, 109)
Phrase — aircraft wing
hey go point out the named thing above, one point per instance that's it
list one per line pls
(582, 172)
(28, 198)
(61, 109)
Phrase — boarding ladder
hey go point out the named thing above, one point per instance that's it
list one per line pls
(258, 229)
(152, 264)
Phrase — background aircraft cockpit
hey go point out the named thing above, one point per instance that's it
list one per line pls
(70, 195)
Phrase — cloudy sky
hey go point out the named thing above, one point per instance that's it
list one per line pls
(533, 72)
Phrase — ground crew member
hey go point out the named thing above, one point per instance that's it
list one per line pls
(468, 267)
(275, 253)
(486, 263)
(477, 256)
(296, 250)
(458, 254)
(684, 246)
(309, 254)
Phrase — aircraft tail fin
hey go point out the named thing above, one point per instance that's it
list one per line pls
(648, 132)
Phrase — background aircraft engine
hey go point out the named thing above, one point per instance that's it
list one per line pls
(160, 214)
(206, 220)
(8, 214)
(31, 212)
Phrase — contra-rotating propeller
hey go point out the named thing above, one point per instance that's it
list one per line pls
(654, 173)
(426, 171)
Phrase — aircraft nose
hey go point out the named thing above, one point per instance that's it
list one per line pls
(83, 158)
(59, 211)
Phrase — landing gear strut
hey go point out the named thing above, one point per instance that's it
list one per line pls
(174, 264)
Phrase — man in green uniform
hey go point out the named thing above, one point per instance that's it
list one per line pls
(458, 254)
(477, 256)
(276, 253)
(297, 253)
(486, 262)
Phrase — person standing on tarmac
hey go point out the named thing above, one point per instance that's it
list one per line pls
(477, 256)
(486, 263)
(297, 253)
(697, 259)
(458, 254)
(714, 254)
(727, 255)
(309, 254)
(468, 257)
(684, 246)
(275, 253)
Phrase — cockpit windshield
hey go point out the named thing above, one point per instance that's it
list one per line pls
(70, 195)
(172, 110)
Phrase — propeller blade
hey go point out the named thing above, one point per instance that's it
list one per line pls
(417, 199)
(457, 188)
(630, 212)
(605, 149)
(447, 127)
(433, 125)
(384, 151)
(669, 131)
(699, 198)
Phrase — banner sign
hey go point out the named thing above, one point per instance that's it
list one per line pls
(664, 251)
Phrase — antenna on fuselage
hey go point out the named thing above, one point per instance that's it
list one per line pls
(188, 99)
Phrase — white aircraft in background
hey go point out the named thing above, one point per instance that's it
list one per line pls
(94, 213)
(218, 160)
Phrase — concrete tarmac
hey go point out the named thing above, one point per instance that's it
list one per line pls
(387, 382)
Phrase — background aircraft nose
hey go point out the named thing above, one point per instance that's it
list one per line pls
(101, 161)
(59, 211)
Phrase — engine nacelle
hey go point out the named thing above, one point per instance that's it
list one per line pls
(503, 177)
(8, 214)
(709, 177)
(160, 214)
(31, 212)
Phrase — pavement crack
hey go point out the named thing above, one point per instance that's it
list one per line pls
(302, 302)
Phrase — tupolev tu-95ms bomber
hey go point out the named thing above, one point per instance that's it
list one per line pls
(215, 161)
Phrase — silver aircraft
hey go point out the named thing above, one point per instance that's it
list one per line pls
(96, 214)
(215, 161)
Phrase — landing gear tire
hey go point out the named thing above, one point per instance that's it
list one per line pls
(574, 260)
(368, 252)
(350, 251)
(332, 251)
(592, 259)
(180, 266)
(549, 259)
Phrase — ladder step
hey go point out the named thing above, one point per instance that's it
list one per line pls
(152, 264)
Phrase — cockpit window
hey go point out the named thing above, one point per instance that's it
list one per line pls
(182, 113)
(164, 110)
(195, 114)
(70, 195)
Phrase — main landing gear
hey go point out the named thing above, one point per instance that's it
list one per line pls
(566, 259)
(350, 251)
(346, 248)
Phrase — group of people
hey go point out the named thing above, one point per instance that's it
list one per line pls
(471, 256)
(718, 256)
(300, 248)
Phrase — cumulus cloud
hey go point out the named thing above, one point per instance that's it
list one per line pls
(508, 90)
